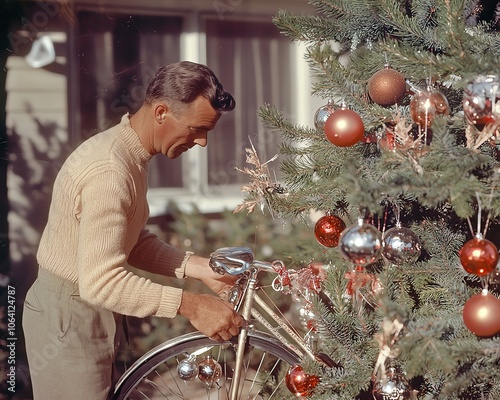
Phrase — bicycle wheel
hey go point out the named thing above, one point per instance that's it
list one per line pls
(155, 375)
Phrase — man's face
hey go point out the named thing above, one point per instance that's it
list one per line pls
(178, 134)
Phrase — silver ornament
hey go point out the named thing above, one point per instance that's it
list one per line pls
(209, 371)
(322, 115)
(187, 369)
(401, 245)
(361, 243)
(481, 102)
(394, 387)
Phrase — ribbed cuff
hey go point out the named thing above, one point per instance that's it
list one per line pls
(170, 302)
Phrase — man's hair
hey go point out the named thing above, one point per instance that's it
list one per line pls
(181, 83)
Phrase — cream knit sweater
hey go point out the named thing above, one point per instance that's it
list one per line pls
(96, 228)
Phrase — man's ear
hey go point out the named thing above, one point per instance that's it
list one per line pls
(160, 112)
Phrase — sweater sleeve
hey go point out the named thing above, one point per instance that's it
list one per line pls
(105, 206)
(154, 255)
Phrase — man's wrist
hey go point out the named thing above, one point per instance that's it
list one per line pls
(186, 308)
(197, 267)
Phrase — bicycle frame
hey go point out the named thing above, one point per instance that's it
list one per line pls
(282, 338)
(250, 295)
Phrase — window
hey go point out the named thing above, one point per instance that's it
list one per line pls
(118, 54)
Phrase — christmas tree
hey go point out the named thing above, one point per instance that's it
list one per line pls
(403, 167)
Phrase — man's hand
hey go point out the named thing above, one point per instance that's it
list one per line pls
(198, 268)
(211, 315)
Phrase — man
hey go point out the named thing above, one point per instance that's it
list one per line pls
(95, 230)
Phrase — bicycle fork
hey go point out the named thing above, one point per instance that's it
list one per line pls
(242, 337)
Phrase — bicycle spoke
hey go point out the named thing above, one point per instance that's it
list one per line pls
(159, 389)
(145, 396)
(276, 388)
(258, 369)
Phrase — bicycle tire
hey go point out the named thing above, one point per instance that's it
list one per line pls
(157, 370)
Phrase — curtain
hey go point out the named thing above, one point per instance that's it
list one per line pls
(252, 60)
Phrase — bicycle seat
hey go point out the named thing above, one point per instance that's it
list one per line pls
(231, 260)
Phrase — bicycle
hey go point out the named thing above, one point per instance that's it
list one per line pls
(252, 365)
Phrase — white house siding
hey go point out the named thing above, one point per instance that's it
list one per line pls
(37, 127)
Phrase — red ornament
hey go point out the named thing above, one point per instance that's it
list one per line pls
(479, 256)
(481, 313)
(299, 383)
(387, 87)
(344, 128)
(328, 229)
(426, 105)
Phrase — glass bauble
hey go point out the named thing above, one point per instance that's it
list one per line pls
(479, 256)
(361, 243)
(387, 87)
(209, 371)
(328, 229)
(187, 369)
(394, 387)
(481, 101)
(426, 105)
(401, 245)
(322, 115)
(299, 383)
(344, 128)
(481, 313)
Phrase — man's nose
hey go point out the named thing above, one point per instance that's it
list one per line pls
(202, 140)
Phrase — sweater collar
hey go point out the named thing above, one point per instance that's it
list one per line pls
(132, 140)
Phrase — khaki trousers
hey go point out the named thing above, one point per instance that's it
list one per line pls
(70, 344)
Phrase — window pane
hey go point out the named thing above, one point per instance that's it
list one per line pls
(118, 56)
(252, 60)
